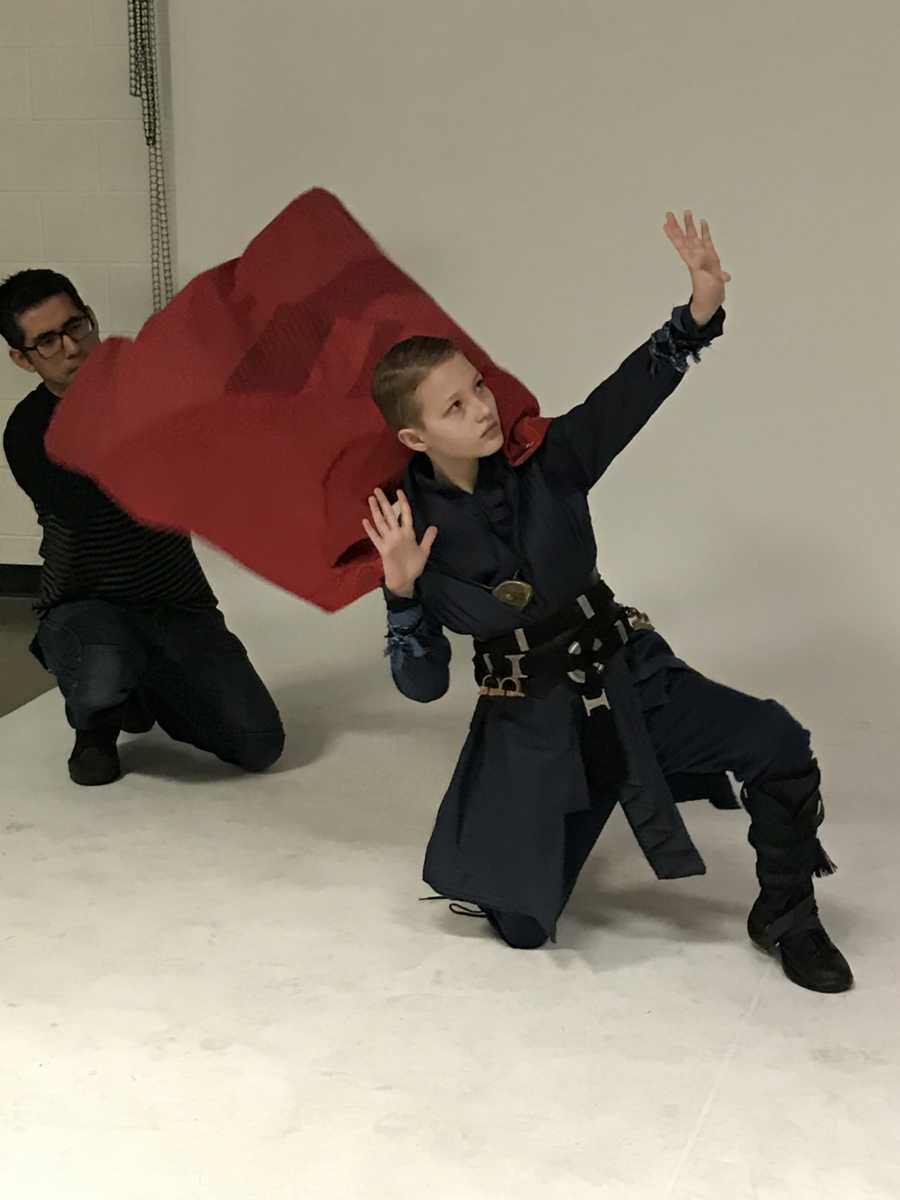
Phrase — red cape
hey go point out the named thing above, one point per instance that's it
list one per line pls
(242, 412)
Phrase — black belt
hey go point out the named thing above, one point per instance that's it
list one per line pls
(596, 600)
(598, 627)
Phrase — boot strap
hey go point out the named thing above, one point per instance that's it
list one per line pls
(803, 916)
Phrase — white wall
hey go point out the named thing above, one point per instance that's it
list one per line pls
(73, 190)
(518, 157)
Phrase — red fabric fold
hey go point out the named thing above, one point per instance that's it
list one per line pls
(242, 411)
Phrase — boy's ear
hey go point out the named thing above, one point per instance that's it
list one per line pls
(411, 439)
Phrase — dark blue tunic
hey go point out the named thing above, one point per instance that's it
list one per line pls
(525, 804)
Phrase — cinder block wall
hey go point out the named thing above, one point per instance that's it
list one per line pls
(73, 191)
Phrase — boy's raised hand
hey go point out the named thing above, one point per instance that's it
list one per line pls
(702, 260)
(392, 534)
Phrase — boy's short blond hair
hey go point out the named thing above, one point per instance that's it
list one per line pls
(399, 373)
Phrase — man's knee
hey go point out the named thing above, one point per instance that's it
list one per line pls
(102, 680)
(94, 656)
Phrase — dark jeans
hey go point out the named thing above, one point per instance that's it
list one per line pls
(191, 672)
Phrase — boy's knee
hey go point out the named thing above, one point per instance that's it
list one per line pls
(783, 743)
(260, 748)
(518, 931)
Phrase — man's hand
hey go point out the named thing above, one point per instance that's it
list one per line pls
(699, 254)
(393, 536)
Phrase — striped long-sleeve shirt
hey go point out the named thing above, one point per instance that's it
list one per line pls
(90, 547)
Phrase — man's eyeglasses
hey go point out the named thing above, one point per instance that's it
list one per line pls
(49, 344)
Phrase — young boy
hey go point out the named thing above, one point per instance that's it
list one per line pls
(582, 705)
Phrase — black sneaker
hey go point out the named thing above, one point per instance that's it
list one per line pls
(95, 760)
(808, 956)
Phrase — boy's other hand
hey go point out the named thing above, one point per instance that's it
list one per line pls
(392, 534)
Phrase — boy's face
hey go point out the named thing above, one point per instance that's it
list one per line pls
(457, 414)
(62, 330)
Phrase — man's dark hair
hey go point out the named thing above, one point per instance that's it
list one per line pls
(400, 372)
(28, 289)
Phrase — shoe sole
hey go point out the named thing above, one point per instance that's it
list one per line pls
(96, 782)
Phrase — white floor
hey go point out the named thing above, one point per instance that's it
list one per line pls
(215, 986)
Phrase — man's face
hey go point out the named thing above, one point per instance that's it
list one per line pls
(58, 327)
(457, 414)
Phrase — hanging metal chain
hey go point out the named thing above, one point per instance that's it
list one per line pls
(144, 84)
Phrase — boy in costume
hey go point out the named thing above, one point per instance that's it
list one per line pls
(582, 704)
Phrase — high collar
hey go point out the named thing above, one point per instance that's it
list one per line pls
(422, 472)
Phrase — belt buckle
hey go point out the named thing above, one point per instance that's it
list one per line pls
(507, 687)
(486, 690)
(579, 675)
(515, 692)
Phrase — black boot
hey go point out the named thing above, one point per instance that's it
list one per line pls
(94, 760)
(785, 813)
(808, 955)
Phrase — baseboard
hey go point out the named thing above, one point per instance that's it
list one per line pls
(19, 550)
(18, 579)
